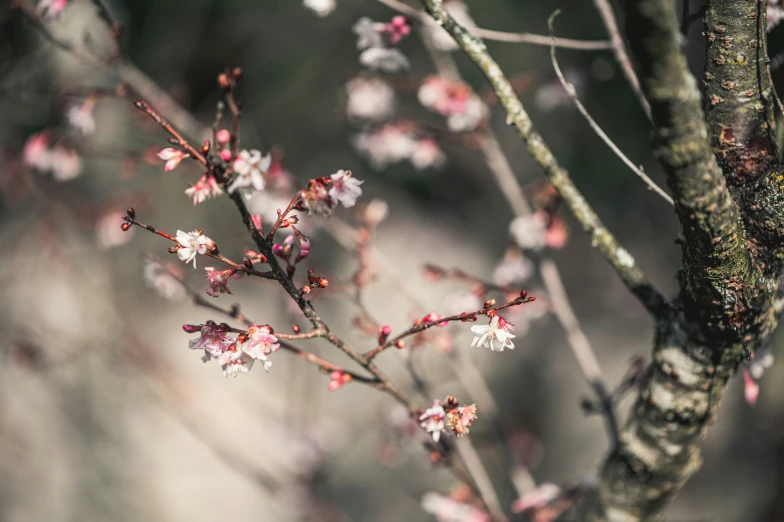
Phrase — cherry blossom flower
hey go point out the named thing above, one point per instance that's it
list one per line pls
(234, 363)
(456, 101)
(159, 276)
(172, 157)
(219, 281)
(427, 154)
(80, 116)
(250, 167)
(369, 33)
(51, 9)
(557, 234)
(439, 37)
(513, 269)
(345, 188)
(384, 59)
(498, 330)
(213, 339)
(529, 231)
(320, 7)
(460, 419)
(763, 359)
(36, 152)
(447, 509)
(433, 317)
(64, 162)
(386, 145)
(375, 212)
(109, 234)
(204, 189)
(369, 99)
(260, 343)
(751, 388)
(191, 244)
(433, 420)
(537, 499)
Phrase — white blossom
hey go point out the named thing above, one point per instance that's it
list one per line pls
(433, 420)
(528, 231)
(191, 244)
(384, 59)
(320, 7)
(516, 269)
(80, 117)
(250, 167)
(368, 32)
(369, 99)
(345, 188)
(487, 335)
(64, 163)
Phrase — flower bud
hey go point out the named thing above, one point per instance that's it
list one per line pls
(223, 136)
(191, 328)
(131, 212)
(125, 227)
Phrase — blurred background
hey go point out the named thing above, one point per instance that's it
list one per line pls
(104, 412)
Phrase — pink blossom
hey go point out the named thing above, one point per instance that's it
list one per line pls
(514, 268)
(397, 29)
(537, 499)
(368, 33)
(751, 389)
(389, 144)
(213, 339)
(345, 188)
(556, 234)
(432, 317)
(529, 231)
(36, 152)
(260, 342)
(80, 116)
(51, 9)
(456, 101)
(375, 212)
(234, 363)
(204, 189)
(172, 157)
(433, 420)
(219, 281)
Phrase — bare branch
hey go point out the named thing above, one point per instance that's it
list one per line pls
(570, 90)
(620, 259)
(500, 36)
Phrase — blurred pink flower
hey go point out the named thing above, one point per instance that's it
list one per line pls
(50, 9)
(204, 189)
(172, 157)
(320, 7)
(369, 99)
(537, 499)
(219, 281)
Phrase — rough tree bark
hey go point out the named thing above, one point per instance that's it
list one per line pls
(722, 166)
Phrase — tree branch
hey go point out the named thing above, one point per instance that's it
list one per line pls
(620, 259)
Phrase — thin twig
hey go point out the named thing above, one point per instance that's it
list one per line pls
(620, 259)
(619, 52)
(572, 92)
(500, 36)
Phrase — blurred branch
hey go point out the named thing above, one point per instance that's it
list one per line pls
(619, 52)
(500, 36)
(570, 90)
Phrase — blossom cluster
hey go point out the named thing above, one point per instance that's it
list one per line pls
(62, 161)
(377, 42)
(235, 355)
(449, 416)
(455, 100)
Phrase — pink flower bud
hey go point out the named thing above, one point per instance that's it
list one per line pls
(191, 328)
(334, 385)
(336, 376)
(399, 21)
(225, 155)
(223, 136)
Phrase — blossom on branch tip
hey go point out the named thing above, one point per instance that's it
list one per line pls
(250, 167)
(204, 189)
(460, 419)
(338, 379)
(320, 7)
(219, 281)
(172, 157)
(190, 245)
(498, 330)
(345, 188)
